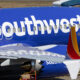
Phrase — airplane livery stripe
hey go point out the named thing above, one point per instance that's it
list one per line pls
(74, 40)
(72, 48)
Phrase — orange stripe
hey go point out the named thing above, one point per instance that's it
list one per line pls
(74, 40)
(72, 50)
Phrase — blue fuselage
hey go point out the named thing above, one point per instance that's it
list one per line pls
(51, 69)
(39, 26)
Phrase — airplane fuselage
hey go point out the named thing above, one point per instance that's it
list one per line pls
(38, 26)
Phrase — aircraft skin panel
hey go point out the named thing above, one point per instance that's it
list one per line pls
(53, 69)
(60, 49)
(39, 36)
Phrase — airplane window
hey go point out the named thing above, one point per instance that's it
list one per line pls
(50, 27)
(65, 26)
(14, 30)
(39, 28)
(23, 29)
(8, 30)
(34, 28)
(55, 26)
(45, 28)
(19, 29)
(60, 26)
(69, 26)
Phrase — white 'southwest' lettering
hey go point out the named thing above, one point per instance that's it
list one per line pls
(35, 26)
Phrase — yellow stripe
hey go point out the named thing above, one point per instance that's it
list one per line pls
(74, 40)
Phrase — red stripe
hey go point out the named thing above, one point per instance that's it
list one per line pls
(70, 50)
